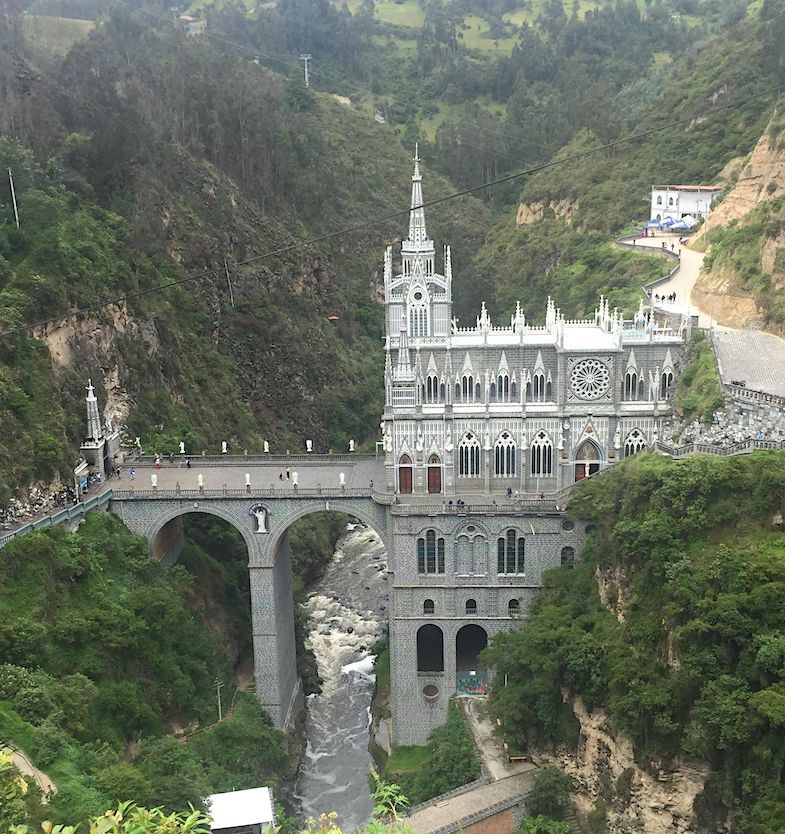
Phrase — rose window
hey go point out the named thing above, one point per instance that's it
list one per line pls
(589, 379)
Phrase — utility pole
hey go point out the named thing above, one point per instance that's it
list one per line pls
(218, 688)
(305, 58)
(229, 282)
(13, 197)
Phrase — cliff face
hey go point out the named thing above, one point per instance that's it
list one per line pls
(604, 767)
(529, 213)
(743, 282)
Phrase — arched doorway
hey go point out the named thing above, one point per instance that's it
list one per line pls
(587, 460)
(434, 475)
(405, 475)
(471, 673)
(430, 648)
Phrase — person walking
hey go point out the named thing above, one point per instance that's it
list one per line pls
(188, 463)
(288, 474)
(132, 473)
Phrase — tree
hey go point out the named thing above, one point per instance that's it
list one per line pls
(543, 825)
(550, 795)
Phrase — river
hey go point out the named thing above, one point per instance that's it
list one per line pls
(347, 613)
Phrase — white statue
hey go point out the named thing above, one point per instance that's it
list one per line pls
(223, 447)
(448, 447)
(420, 439)
(138, 443)
(655, 435)
(260, 513)
(182, 447)
(248, 479)
(487, 440)
(200, 480)
(295, 476)
(308, 445)
(109, 427)
(388, 443)
(266, 448)
(560, 444)
(154, 480)
(617, 438)
(342, 479)
(351, 445)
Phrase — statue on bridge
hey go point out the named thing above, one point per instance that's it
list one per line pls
(224, 449)
(260, 514)
(351, 445)
(266, 447)
(308, 446)
(182, 447)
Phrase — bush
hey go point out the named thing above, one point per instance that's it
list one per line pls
(550, 794)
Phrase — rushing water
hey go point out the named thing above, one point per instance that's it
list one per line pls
(347, 612)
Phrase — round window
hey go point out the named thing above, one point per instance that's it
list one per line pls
(471, 528)
(567, 525)
(430, 691)
(418, 296)
(590, 379)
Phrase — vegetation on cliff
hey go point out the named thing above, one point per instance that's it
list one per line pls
(696, 554)
(104, 657)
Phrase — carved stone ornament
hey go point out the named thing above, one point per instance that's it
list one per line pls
(259, 512)
(590, 379)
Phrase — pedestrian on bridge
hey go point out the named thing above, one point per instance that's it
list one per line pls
(288, 474)
(188, 463)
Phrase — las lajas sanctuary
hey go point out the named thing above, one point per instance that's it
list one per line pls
(484, 430)
(481, 425)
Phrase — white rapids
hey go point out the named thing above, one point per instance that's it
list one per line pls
(346, 612)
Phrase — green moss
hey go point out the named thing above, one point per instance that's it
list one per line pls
(699, 392)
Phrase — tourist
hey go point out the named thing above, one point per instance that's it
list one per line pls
(288, 474)
(132, 473)
(672, 246)
(188, 463)
(509, 492)
(280, 476)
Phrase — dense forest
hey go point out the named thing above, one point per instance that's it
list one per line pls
(686, 652)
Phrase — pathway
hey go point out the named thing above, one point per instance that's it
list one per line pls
(27, 768)
(453, 812)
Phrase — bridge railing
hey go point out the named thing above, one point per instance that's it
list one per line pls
(721, 451)
(63, 516)
(290, 492)
(244, 460)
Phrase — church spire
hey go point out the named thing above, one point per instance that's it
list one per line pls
(94, 430)
(417, 232)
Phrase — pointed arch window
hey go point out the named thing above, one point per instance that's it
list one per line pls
(430, 553)
(538, 383)
(418, 316)
(467, 388)
(513, 391)
(568, 557)
(659, 200)
(504, 456)
(510, 553)
(630, 385)
(492, 392)
(431, 388)
(666, 381)
(635, 442)
(503, 387)
(469, 456)
(541, 455)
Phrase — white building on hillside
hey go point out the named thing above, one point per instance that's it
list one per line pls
(677, 201)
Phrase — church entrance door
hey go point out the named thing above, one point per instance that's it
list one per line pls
(434, 474)
(580, 471)
(405, 475)
(587, 460)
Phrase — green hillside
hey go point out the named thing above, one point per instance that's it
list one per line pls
(696, 552)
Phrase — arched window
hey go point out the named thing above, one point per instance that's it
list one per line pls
(503, 387)
(428, 607)
(478, 392)
(568, 557)
(442, 392)
(631, 385)
(635, 442)
(659, 200)
(430, 553)
(418, 318)
(666, 380)
(513, 390)
(548, 391)
(431, 388)
(467, 388)
(542, 455)
(430, 649)
(492, 392)
(670, 201)
(513, 607)
(471, 606)
(659, 217)
(539, 386)
(511, 553)
(469, 456)
(504, 455)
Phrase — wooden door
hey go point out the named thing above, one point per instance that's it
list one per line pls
(580, 472)
(405, 480)
(434, 479)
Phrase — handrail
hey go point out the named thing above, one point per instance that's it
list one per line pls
(244, 460)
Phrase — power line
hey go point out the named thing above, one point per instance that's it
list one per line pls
(396, 214)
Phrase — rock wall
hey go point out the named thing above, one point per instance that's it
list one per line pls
(529, 213)
(605, 766)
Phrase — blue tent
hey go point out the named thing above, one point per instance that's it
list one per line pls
(680, 226)
(668, 221)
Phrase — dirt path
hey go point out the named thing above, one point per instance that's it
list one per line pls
(27, 768)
